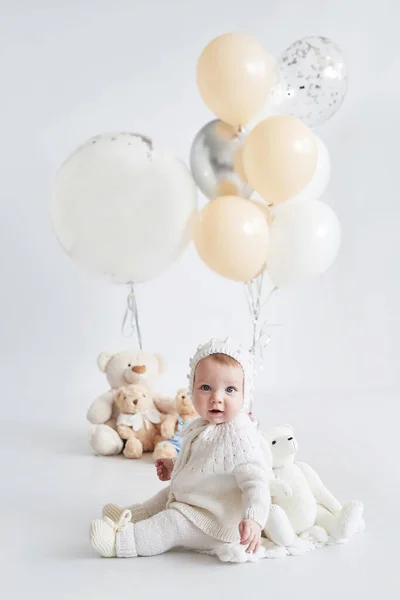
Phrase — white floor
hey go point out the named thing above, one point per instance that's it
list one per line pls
(52, 486)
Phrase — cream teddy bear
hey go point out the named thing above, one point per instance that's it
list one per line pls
(139, 421)
(311, 503)
(121, 369)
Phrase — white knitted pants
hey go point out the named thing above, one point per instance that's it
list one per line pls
(169, 529)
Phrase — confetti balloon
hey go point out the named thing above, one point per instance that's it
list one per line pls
(312, 80)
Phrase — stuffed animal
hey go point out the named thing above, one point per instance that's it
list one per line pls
(311, 503)
(184, 412)
(139, 421)
(184, 406)
(122, 369)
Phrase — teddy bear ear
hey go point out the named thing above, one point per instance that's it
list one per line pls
(103, 359)
(162, 363)
(286, 426)
(119, 394)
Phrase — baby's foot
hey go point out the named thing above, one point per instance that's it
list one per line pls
(112, 539)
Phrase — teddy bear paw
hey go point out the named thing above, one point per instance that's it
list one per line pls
(273, 550)
(106, 441)
(236, 553)
(316, 535)
(300, 546)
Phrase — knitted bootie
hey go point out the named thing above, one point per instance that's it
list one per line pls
(114, 512)
(112, 539)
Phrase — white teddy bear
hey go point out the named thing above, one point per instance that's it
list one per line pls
(121, 369)
(311, 503)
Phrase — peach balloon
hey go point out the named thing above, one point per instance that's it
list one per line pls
(231, 237)
(279, 157)
(264, 209)
(234, 75)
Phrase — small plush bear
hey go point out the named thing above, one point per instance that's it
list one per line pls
(139, 421)
(311, 503)
(184, 412)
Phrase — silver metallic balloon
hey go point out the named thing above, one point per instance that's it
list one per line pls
(312, 80)
(215, 160)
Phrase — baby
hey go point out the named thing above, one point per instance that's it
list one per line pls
(219, 490)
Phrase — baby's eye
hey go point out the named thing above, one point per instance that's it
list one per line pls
(230, 389)
(205, 387)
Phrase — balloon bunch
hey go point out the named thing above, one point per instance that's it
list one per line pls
(262, 143)
(125, 209)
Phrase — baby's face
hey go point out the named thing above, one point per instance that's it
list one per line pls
(218, 390)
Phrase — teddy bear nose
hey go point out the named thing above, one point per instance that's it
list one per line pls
(135, 402)
(139, 369)
(289, 439)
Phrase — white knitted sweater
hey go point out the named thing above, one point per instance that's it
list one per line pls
(221, 477)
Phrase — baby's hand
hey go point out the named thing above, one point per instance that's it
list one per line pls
(164, 467)
(250, 533)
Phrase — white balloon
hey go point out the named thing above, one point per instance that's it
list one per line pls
(320, 180)
(304, 241)
(123, 209)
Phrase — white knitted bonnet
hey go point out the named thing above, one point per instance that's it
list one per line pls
(228, 347)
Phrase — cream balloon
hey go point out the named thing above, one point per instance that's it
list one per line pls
(304, 241)
(122, 208)
(234, 75)
(320, 180)
(265, 209)
(279, 157)
(231, 237)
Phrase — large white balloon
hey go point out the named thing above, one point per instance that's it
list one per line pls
(304, 241)
(122, 208)
(320, 180)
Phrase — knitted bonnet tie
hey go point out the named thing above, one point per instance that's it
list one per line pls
(228, 347)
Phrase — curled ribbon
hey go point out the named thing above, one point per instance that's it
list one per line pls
(130, 323)
(261, 329)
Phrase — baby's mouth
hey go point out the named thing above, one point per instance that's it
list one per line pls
(216, 411)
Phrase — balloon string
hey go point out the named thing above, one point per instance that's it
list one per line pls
(130, 323)
(260, 336)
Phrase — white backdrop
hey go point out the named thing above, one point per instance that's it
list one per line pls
(73, 69)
